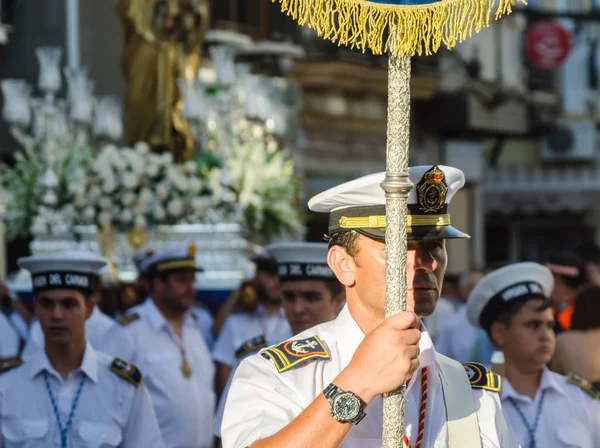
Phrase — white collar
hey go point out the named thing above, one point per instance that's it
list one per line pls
(353, 336)
(39, 363)
(155, 318)
(549, 381)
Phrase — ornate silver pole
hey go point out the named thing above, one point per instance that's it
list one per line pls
(397, 185)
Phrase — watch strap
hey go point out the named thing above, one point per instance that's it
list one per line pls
(331, 391)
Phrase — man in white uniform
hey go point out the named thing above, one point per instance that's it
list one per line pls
(99, 329)
(9, 339)
(268, 320)
(544, 409)
(324, 388)
(169, 348)
(311, 296)
(68, 394)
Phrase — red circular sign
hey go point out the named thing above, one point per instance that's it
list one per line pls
(548, 44)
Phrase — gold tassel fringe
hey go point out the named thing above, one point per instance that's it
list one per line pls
(401, 29)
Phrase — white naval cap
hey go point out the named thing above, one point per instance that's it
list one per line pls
(301, 261)
(360, 204)
(73, 269)
(505, 286)
(139, 256)
(180, 256)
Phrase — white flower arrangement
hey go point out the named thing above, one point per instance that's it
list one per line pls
(24, 181)
(129, 188)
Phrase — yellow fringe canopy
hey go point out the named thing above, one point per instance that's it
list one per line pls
(406, 27)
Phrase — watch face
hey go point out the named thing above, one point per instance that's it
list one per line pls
(346, 406)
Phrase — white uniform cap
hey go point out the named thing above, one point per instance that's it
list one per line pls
(505, 286)
(179, 256)
(360, 204)
(73, 269)
(301, 261)
(139, 256)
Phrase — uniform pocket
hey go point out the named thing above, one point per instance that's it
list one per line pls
(99, 434)
(573, 437)
(18, 431)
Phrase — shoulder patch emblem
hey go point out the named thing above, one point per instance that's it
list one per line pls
(126, 319)
(251, 346)
(7, 364)
(481, 377)
(127, 371)
(585, 385)
(289, 354)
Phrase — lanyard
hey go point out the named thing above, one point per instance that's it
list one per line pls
(422, 409)
(64, 430)
(186, 368)
(530, 429)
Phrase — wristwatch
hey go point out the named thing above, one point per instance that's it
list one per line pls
(345, 406)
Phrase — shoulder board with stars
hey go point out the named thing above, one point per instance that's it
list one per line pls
(127, 371)
(7, 364)
(290, 354)
(585, 385)
(481, 377)
(251, 346)
(126, 319)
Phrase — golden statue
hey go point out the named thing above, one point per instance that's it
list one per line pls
(162, 42)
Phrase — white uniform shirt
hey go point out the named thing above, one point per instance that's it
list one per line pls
(99, 330)
(242, 327)
(444, 310)
(205, 322)
(458, 337)
(262, 401)
(184, 406)
(9, 338)
(19, 324)
(221, 408)
(569, 416)
(111, 411)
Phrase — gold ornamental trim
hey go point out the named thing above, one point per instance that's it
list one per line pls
(178, 264)
(379, 222)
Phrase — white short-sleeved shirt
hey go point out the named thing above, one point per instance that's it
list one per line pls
(205, 323)
(242, 327)
(444, 310)
(184, 406)
(99, 329)
(569, 416)
(9, 338)
(221, 408)
(458, 337)
(262, 401)
(111, 411)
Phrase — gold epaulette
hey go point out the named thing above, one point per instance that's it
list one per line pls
(126, 319)
(481, 377)
(127, 371)
(585, 385)
(250, 346)
(290, 354)
(7, 364)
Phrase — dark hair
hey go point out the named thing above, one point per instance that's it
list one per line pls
(586, 312)
(264, 264)
(588, 252)
(571, 260)
(506, 316)
(345, 239)
(335, 288)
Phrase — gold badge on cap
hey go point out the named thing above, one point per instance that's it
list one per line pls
(192, 250)
(432, 191)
